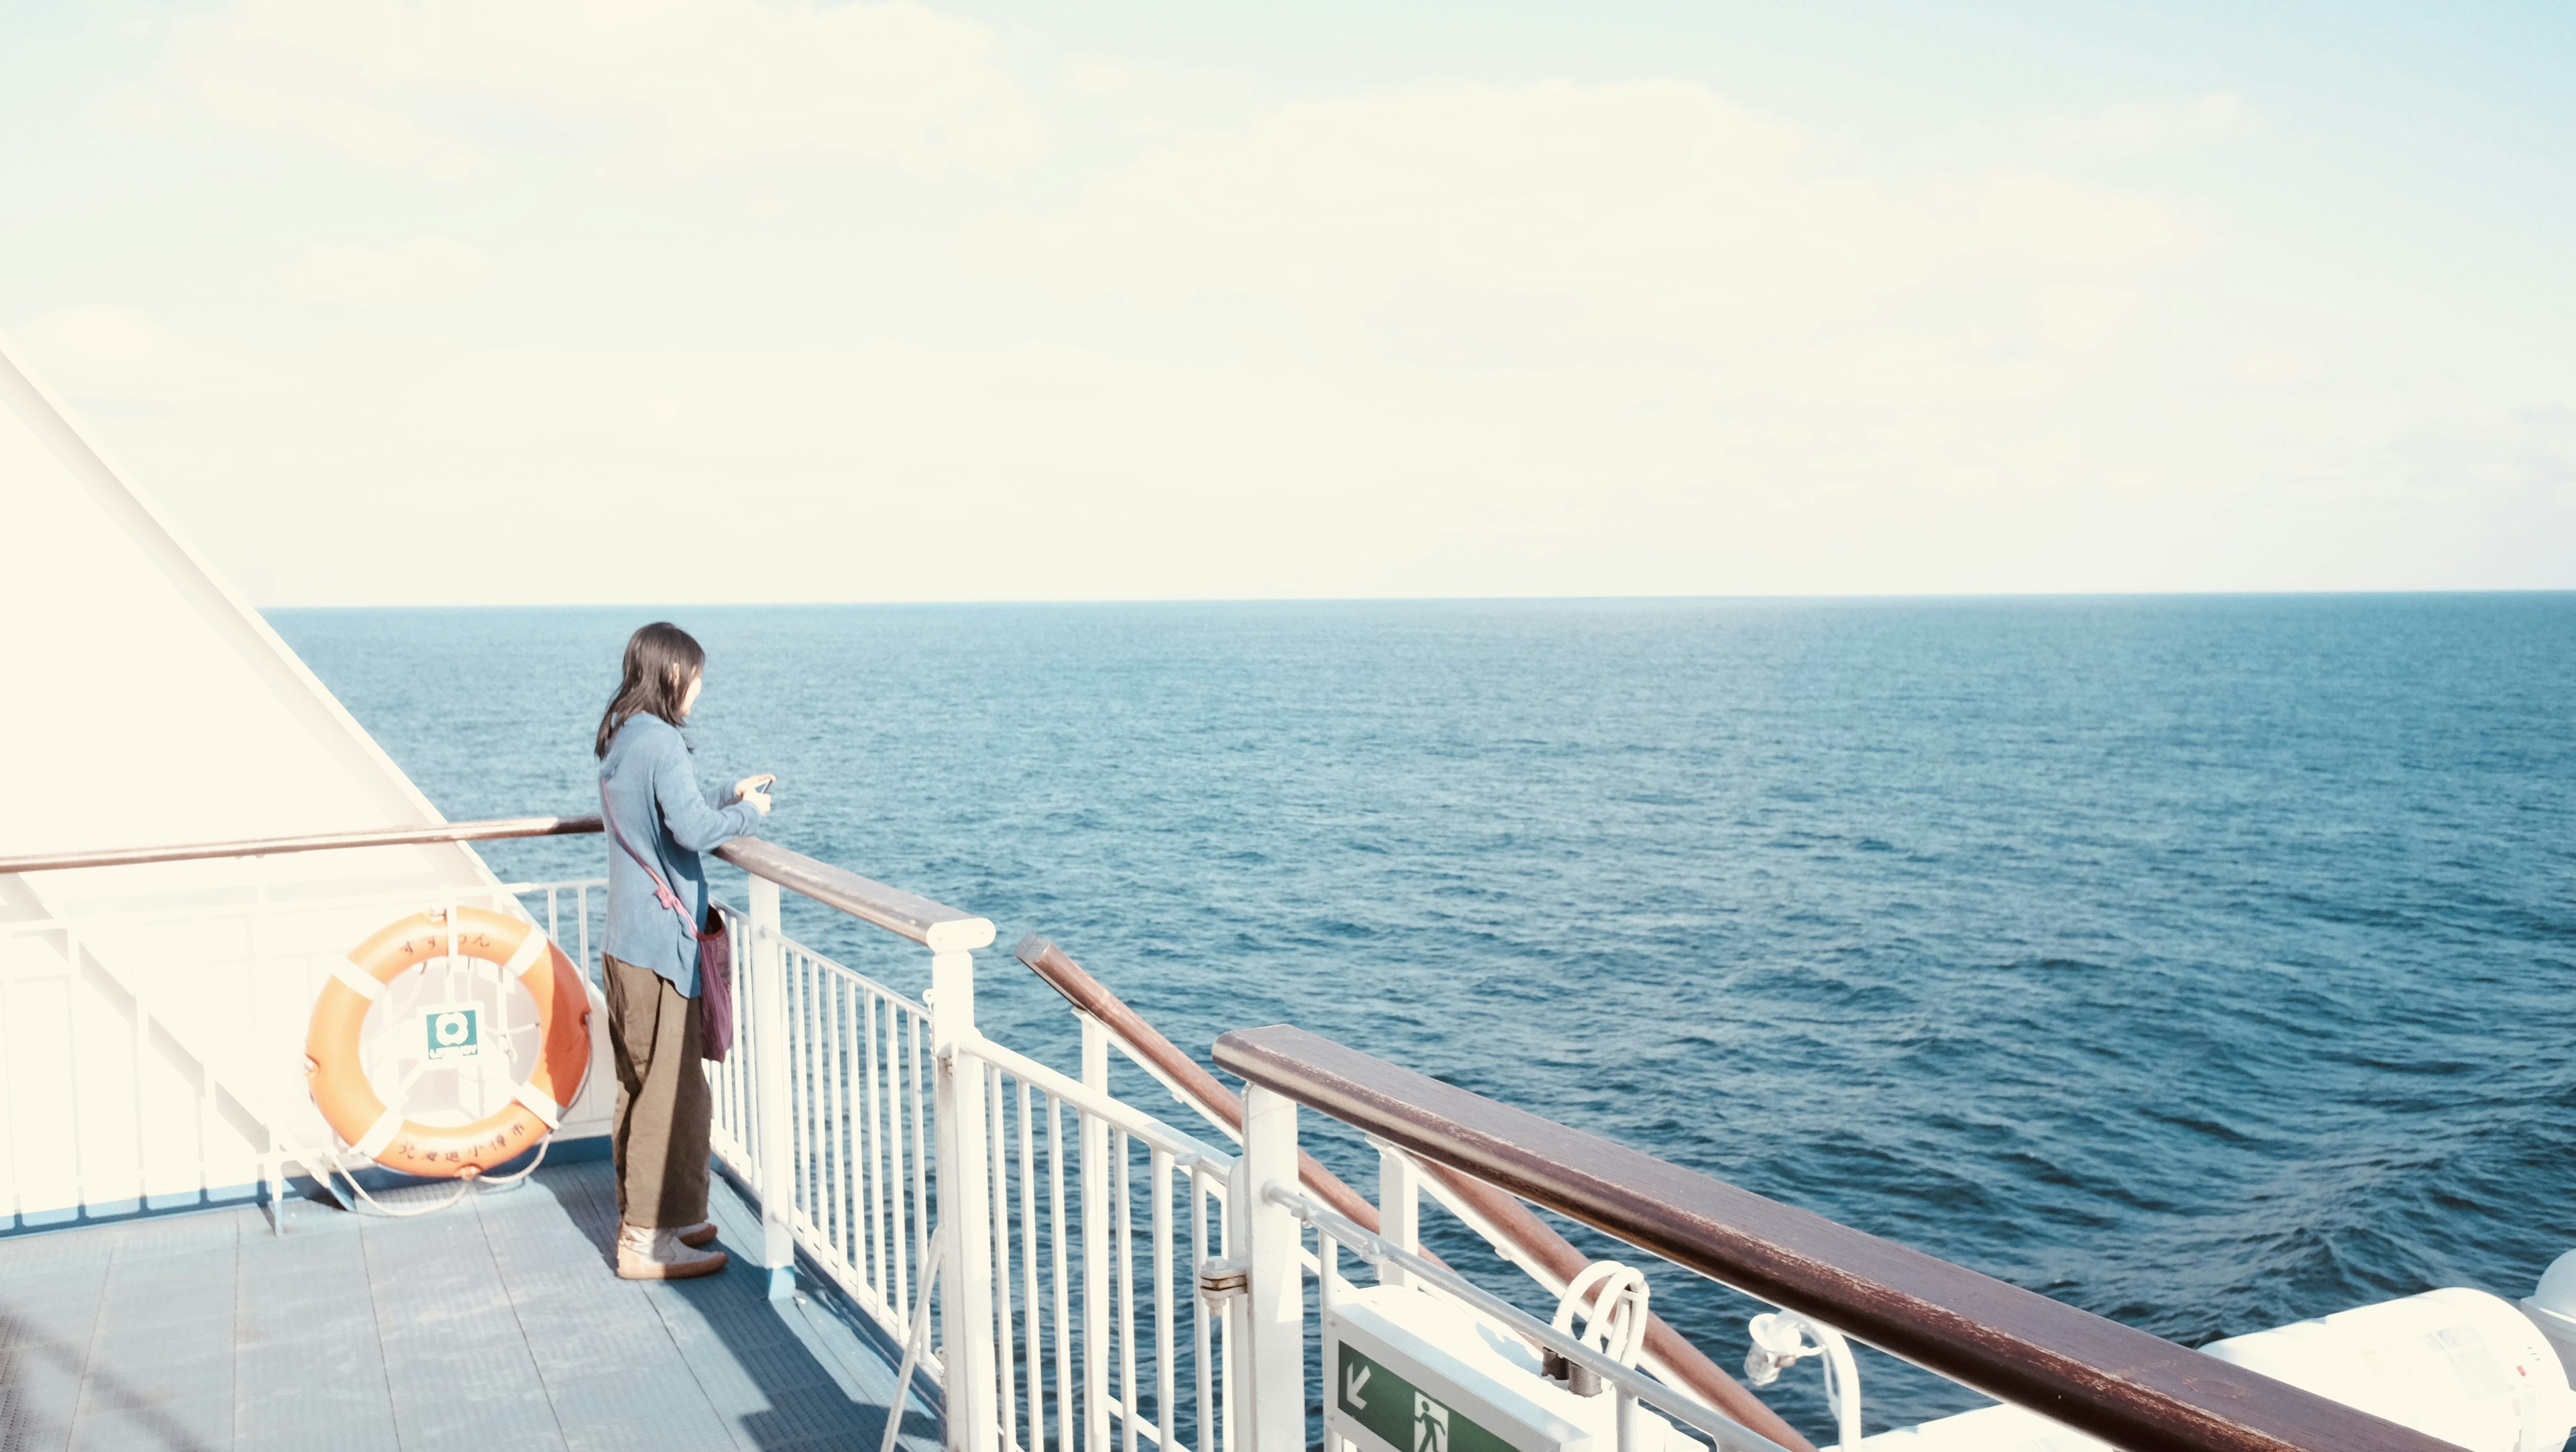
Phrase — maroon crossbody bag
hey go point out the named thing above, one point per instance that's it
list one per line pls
(715, 951)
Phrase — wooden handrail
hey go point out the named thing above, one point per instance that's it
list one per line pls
(936, 926)
(1522, 1235)
(2110, 1381)
(486, 831)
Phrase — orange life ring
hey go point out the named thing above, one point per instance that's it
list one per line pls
(339, 1080)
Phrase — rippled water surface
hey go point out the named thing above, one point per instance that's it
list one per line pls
(2203, 962)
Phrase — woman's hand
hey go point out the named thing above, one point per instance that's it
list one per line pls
(754, 789)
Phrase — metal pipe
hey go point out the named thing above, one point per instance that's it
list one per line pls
(487, 831)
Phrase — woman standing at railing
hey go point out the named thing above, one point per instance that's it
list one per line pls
(658, 822)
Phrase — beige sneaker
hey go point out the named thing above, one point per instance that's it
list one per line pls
(698, 1234)
(658, 1255)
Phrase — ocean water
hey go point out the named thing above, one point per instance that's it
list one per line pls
(2203, 962)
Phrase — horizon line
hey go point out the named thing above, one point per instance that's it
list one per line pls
(1818, 598)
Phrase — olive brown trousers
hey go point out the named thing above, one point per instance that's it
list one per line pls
(664, 1109)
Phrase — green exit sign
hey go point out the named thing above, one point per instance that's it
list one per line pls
(1410, 1372)
(1401, 1414)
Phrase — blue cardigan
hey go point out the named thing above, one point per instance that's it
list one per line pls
(652, 793)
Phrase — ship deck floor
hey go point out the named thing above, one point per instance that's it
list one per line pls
(496, 1324)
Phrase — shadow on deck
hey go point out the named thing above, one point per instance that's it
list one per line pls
(496, 1324)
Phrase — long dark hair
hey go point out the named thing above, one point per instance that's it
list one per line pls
(661, 660)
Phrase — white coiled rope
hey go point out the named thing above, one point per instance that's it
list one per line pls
(1614, 1315)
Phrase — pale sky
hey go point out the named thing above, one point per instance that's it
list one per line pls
(394, 302)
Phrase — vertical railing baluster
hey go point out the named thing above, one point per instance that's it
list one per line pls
(770, 1063)
(1163, 1370)
(830, 1090)
(142, 1102)
(737, 1065)
(1029, 1279)
(842, 1094)
(856, 1090)
(890, 1247)
(1123, 1196)
(885, 1150)
(82, 1177)
(1202, 1340)
(1068, 1400)
(800, 1082)
(892, 1196)
(254, 994)
(857, 1177)
(794, 1101)
(1004, 1342)
(861, 1170)
(808, 1087)
(920, 1201)
(1229, 1357)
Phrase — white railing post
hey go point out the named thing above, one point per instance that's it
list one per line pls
(1399, 1209)
(1275, 1327)
(776, 1147)
(965, 1208)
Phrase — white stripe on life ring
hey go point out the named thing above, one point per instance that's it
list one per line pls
(531, 948)
(540, 1103)
(379, 1134)
(358, 980)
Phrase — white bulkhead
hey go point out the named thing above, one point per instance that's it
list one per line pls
(152, 1016)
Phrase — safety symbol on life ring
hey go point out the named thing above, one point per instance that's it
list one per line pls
(452, 1031)
(450, 1034)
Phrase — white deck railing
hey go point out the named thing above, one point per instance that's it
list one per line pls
(1076, 1274)
(1159, 1375)
(1072, 1228)
(1071, 1312)
(853, 1085)
(154, 1057)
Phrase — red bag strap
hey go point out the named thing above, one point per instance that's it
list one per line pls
(661, 890)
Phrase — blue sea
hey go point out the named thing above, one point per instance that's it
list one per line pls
(2205, 962)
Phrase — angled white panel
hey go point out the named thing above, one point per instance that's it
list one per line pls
(147, 705)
